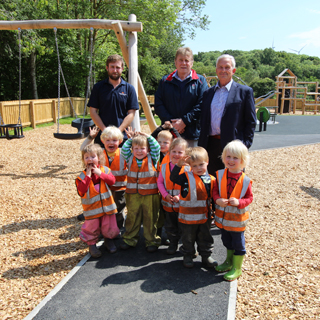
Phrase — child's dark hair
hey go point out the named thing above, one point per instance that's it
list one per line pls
(96, 149)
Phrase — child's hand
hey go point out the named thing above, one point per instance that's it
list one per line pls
(144, 134)
(89, 170)
(93, 132)
(169, 198)
(167, 125)
(130, 133)
(222, 202)
(183, 161)
(233, 202)
(96, 170)
(176, 199)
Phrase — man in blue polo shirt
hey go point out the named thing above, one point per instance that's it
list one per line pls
(113, 101)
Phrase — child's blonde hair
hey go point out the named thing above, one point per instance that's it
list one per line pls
(140, 141)
(94, 149)
(237, 149)
(166, 134)
(178, 141)
(197, 154)
(111, 132)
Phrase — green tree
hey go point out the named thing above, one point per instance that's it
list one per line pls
(262, 86)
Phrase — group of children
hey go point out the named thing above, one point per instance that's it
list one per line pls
(162, 182)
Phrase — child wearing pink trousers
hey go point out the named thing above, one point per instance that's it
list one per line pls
(99, 208)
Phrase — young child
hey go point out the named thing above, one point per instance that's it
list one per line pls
(142, 195)
(164, 135)
(171, 192)
(232, 194)
(97, 201)
(111, 138)
(196, 189)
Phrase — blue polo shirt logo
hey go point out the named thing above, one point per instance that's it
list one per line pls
(122, 94)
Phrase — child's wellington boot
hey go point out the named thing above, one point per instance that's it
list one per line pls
(94, 251)
(209, 262)
(227, 264)
(235, 272)
(187, 261)
(109, 244)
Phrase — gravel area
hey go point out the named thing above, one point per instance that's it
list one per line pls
(39, 230)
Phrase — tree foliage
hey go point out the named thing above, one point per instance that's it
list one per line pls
(166, 23)
(259, 68)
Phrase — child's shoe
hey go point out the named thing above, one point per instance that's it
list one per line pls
(94, 251)
(227, 264)
(172, 249)
(236, 271)
(80, 217)
(109, 244)
(209, 262)
(151, 249)
(125, 246)
(187, 261)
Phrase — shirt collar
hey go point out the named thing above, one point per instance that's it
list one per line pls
(177, 77)
(227, 86)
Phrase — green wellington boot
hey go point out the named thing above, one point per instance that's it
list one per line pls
(227, 265)
(235, 272)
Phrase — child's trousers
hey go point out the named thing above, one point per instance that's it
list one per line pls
(145, 210)
(234, 241)
(105, 225)
(196, 233)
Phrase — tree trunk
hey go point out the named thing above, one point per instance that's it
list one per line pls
(33, 75)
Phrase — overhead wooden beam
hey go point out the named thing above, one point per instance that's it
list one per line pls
(70, 24)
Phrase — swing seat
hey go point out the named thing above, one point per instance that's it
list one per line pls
(16, 128)
(77, 124)
(69, 136)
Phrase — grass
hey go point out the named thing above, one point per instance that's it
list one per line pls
(66, 120)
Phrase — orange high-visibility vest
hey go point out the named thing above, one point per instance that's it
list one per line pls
(97, 204)
(194, 207)
(231, 218)
(165, 159)
(119, 170)
(142, 180)
(172, 188)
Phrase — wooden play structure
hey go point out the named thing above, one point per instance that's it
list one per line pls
(129, 50)
(290, 90)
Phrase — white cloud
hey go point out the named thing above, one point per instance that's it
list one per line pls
(311, 37)
(314, 11)
(242, 38)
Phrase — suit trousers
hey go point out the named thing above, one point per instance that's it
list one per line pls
(214, 152)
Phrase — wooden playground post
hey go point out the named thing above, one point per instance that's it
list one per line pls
(142, 95)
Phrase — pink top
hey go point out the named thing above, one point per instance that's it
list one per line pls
(160, 182)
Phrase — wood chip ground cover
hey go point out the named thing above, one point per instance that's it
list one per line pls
(39, 231)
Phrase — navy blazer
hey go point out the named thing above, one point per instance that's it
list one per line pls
(238, 118)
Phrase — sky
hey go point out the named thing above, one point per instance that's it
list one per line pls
(285, 25)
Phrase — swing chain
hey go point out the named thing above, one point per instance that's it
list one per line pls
(59, 67)
(19, 34)
(89, 79)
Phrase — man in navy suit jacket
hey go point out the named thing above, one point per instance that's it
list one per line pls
(227, 113)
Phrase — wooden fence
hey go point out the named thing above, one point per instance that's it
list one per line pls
(35, 112)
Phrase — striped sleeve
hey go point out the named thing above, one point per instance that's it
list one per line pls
(126, 149)
(154, 150)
